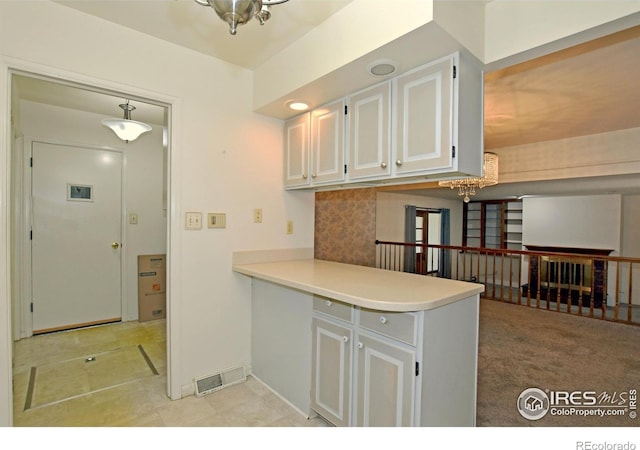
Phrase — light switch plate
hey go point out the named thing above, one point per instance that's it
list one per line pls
(193, 221)
(216, 220)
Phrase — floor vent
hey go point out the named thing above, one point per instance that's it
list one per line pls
(220, 380)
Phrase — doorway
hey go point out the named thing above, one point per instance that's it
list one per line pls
(426, 227)
(16, 222)
(429, 232)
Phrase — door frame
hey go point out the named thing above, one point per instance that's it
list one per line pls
(10, 66)
(25, 329)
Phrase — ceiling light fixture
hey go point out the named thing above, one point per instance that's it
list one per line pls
(467, 186)
(297, 105)
(238, 12)
(126, 129)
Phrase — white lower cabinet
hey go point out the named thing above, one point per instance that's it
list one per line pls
(366, 367)
(373, 368)
(331, 371)
(354, 366)
(385, 383)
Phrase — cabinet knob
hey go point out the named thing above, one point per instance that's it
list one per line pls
(398, 163)
(304, 175)
(382, 320)
(328, 303)
(345, 338)
(313, 175)
(383, 165)
(360, 345)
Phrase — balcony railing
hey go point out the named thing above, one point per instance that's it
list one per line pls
(595, 286)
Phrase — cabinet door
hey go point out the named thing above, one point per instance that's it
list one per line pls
(369, 131)
(385, 384)
(331, 371)
(423, 114)
(327, 143)
(296, 151)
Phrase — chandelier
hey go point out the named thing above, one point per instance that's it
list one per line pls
(238, 12)
(467, 186)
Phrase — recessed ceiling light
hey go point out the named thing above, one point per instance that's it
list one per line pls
(382, 68)
(297, 105)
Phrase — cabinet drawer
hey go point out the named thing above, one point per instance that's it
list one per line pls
(333, 308)
(402, 326)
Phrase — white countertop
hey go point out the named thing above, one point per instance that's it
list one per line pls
(363, 286)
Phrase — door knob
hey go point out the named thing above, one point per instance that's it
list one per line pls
(115, 246)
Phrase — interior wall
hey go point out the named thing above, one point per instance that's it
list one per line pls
(374, 26)
(390, 214)
(630, 242)
(216, 166)
(513, 27)
(630, 246)
(592, 221)
(613, 153)
(143, 174)
(345, 226)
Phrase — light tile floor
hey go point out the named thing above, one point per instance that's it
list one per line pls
(142, 402)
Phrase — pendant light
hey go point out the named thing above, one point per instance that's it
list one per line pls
(126, 129)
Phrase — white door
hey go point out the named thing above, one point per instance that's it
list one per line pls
(76, 240)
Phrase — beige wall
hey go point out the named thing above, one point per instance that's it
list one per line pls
(630, 241)
(614, 153)
(216, 166)
(390, 214)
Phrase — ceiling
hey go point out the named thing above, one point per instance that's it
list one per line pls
(588, 89)
(188, 24)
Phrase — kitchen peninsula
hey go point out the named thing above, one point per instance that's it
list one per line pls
(363, 346)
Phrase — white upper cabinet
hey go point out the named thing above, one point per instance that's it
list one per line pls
(423, 110)
(369, 113)
(314, 147)
(327, 143)
(425, 124)
(438, 119)
(296, 152)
